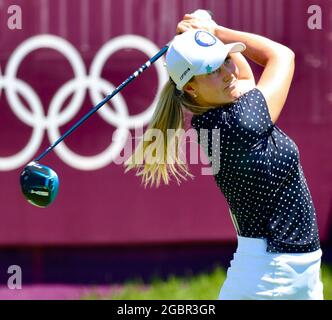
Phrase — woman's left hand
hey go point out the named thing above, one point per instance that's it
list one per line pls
(191, 21)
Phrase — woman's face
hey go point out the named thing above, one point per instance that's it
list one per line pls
(216, 88)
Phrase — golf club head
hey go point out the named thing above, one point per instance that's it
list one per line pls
(39, 184)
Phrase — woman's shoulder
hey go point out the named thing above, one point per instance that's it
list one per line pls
(225, 107)
(245, 104)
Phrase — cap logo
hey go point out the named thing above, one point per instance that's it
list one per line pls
(208, 68)
(205, 39)
(184, 73)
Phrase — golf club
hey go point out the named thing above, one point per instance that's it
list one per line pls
(39, 183)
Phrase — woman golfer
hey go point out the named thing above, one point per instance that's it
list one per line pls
(259, 171)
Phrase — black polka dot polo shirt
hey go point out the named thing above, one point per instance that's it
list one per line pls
(257, 168)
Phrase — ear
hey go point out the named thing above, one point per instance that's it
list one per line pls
(190, 89)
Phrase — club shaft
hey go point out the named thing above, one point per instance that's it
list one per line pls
(105, 100)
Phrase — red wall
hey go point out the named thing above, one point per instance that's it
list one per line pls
(106, 206)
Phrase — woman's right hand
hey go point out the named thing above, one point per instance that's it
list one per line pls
(190, 21)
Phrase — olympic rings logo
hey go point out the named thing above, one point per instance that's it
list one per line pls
(97, 87)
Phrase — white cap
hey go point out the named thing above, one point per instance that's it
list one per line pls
(196, 52)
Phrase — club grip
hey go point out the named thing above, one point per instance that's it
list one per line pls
(204, 14)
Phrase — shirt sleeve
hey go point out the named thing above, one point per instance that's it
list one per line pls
(251, 123)
(254, 116)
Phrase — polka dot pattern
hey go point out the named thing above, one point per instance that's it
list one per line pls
(257, 168)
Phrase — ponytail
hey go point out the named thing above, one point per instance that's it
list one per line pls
(161, 164)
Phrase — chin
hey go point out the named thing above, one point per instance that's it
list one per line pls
(235, 94)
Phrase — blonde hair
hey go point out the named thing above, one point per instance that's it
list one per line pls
(161, 164)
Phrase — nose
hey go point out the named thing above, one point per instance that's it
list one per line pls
(227, 73)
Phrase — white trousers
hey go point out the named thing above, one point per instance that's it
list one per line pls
(255, 274)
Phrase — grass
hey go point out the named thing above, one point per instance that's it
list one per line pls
(327, 281)
(204, 286)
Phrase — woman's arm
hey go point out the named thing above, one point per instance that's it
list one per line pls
(278, 62)
(246, 80)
